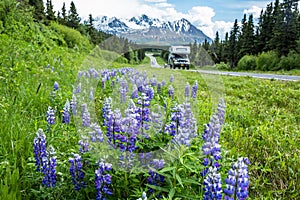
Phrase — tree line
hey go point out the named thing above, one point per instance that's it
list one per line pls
(46, 14)
(250, 45)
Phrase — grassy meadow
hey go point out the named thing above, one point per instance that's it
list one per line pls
(262, 122)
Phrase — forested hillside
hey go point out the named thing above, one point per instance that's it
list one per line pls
(271, 43)
(37, 48)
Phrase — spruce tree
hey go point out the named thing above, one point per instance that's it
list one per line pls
(64, 14)
(73, 17)
(50, 13)
(39, 10)
(233, 45)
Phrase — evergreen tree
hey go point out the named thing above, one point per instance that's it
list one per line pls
(246, 38)
(141, 54)
(64, 14)
(50, 13)
(73, 17)
(233, 45)
(39, 10)
(217, 48)
(225, 49)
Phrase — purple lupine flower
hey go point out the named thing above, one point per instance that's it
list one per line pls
(78, 88)
(103, 82)
(96, 134)
(194, 90)
(130, 126)
(113, 127)
(211, 136)
(176, 116)
(153, 81)
(76, 171)
(66, 113)
(163, 83)
(158, 88)
(103, 180)
(86, 120)
(157, 119)
(79, 74)
(237, 182)
(212, 185)
(39, 146)
(50, 116)
(83, 144)
(149, 92)
(73, 105)
(106, 110)
(187, 90)
(55, 87)
(122, 95)
(155, 178)
(135, 93)
(171, 91)
(186, 125)
(49, 168)
(171, 78)
(143, 116)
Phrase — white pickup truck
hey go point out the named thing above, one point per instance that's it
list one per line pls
(179, 57)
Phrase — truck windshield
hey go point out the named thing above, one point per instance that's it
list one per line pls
(183, 56)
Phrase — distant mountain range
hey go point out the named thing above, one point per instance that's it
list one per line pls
(146, 30)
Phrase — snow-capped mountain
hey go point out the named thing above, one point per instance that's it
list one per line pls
(146, 30)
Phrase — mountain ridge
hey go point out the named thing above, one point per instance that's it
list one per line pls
(146, 30)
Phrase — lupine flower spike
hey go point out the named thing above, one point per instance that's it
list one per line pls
(237, 182)
(76, 171)
(103, 180)
(212, 185)
(66, 113)
(55, 86)
(50, 116)
(49, 168)
(39, 145)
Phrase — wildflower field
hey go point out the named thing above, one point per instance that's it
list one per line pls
(135, 132)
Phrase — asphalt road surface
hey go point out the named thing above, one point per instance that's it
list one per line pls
(154, 63)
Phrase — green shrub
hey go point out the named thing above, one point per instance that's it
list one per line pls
(248, 62)
(292, 61)
(267, 61)
(72, 37)
(222, 66)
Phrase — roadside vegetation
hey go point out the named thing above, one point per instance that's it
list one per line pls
(273, 44)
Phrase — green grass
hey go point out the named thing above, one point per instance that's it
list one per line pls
(262, 122)
(159, 59)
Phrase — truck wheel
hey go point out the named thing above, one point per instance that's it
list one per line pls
(174, 67)
(188, 67)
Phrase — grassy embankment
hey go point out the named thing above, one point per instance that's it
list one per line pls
(262, 116)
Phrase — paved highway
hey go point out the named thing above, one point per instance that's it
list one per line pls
(154, 63)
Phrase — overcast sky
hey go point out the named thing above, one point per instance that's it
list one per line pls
(207, 15)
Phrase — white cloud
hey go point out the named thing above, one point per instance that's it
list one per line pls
(124, 8)
(164, 5)
(200, 16)
(254, 10)
(156, 1)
